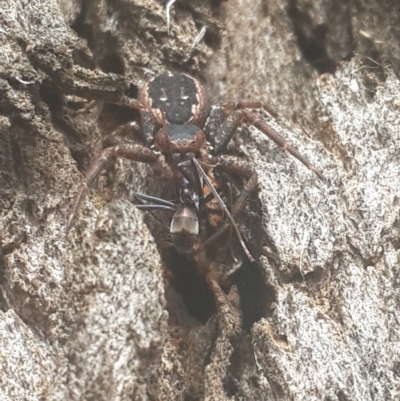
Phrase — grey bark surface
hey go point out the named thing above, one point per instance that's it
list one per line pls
(83, 316)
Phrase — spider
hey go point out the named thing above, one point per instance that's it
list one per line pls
(176, 123)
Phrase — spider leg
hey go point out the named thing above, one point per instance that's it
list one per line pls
(268, 130)
(220, 127)
(147, 120)
(225, 128)
(224, 119)
(279, 140)
(148, 127)
(248, 104)
(116, 138)
(127, 150)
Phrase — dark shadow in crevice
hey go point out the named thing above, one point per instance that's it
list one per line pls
(190, 398)
(311, 40)
(255, 295)
(85, 32)
(51, 95)
(111, 62)
(113, 116)
(190, 284)
(79, 25)
(103, 46)
(217, 3)
(231, 385)
(239, 362)
(107, 58)
(82, 29)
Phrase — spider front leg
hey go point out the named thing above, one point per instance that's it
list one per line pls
(146, 119)
(225, 127)
(220, 127)
(279, 140)
(127, 150)
(116, 138)
(224, 119)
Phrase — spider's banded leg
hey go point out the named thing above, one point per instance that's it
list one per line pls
(148, 127)
(147, 121)
(116, 138)
(247, 104)
(224, 120)
(279, 140)
(267, 130)
(215, 119)
(220, 127)
(121, 132)
(126, 150)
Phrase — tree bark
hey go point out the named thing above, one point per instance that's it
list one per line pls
(92, 314)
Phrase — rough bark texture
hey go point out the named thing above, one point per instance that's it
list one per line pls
(84, 315)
